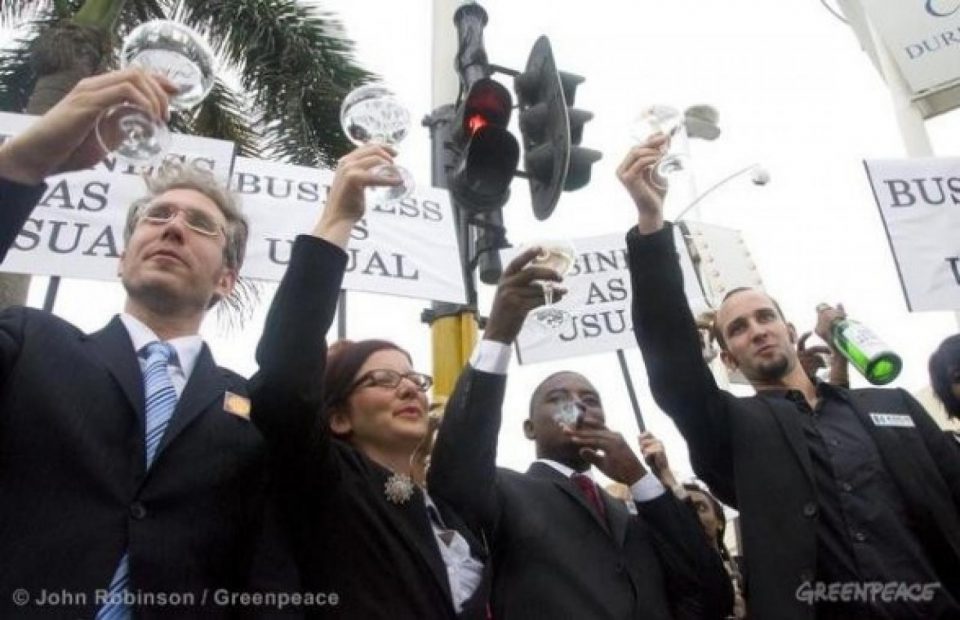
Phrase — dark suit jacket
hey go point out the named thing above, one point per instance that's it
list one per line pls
(74, 490)
(752, 452)
(553, 557)
(16, 203)
(380, 559)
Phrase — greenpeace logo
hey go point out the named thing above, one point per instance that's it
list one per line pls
(868, 592)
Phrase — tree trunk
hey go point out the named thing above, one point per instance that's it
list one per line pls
(63, 55)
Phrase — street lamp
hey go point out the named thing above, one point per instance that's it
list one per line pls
(758, 175)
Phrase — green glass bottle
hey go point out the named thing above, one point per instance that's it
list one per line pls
(868, 354)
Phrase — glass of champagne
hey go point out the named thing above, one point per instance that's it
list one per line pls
(559, 256)
(181, 55)
(372, 114)
(663, 119)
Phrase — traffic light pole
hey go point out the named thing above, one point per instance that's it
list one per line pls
(453, 328)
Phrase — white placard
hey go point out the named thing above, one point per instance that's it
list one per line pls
(919, 202)
(77, 228)
(407, 248)
(599, 301)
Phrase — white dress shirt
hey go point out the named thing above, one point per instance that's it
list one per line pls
(464, 572)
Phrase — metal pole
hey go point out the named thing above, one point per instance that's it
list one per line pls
(710, 190)
(51, 297)
(342, 315)
(453, 328)
(633, 395)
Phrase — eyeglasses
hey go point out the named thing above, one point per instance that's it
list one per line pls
(195, 219)
(386, 378)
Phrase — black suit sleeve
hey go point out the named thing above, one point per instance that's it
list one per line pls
(287, 391)
(16, 203)
(945, 456)
(463, 468)
(698, 585)
(681, 382)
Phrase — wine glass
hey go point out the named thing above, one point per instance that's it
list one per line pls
(372, 114)
(558, 256)
(668, 121)
(178, 53)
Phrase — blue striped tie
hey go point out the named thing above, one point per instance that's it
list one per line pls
(161, 400)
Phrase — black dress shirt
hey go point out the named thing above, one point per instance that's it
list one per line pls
(865, 534)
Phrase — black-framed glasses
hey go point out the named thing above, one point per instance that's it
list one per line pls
(390, 379)
(195, 219)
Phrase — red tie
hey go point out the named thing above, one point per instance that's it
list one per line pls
(589, 489)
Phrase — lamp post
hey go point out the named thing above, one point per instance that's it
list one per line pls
(758, 175)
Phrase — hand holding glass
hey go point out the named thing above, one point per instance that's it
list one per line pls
(372, 114)
(174, 51)
(661, 119)
(557, 256)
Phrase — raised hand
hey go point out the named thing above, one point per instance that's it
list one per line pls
(64, 139)
(635, 173)
(517, 294)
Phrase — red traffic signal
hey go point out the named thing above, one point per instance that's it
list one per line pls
(488, 152)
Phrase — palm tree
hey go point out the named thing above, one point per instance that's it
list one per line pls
(292, 66)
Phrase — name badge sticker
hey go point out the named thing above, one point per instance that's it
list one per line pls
(897, 420)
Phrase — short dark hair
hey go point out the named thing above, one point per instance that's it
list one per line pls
(718, 333)
(943, 361)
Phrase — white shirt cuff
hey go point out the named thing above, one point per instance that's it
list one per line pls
(647, 488)
(491, 356)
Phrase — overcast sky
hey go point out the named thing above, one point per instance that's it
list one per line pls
(794, 92)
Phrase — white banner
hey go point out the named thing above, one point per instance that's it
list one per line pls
(923, 36)
(77, 228)
(599, 301)
(407, 248)
(919, 201)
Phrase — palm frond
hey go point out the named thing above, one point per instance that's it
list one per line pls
(297, 64)
(17, 77)
(223, 116)
(14, 14)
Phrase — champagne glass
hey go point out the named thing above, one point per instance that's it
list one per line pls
(372, 114)
(176, 52)
(668, 121)
(559, 256)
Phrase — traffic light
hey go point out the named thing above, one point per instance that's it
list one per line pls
(487, 152)
(551, 130)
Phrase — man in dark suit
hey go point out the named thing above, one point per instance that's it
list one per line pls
(131, 478)
(841, 492)
(561, 546)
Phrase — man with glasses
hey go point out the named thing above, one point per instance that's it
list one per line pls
(130, 475)
(131, 478)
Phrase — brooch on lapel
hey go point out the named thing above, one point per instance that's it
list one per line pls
(398, 488)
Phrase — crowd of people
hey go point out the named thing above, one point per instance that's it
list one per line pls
(140, 480)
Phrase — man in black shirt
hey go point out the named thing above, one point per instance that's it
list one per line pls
(848, 498)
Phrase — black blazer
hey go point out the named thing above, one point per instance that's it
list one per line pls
(74, 490)
(380, 559)
(553, 557)
(16, 203)
(752, 452)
